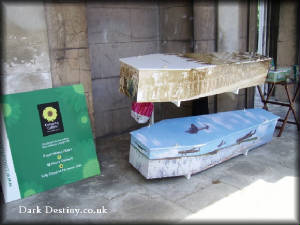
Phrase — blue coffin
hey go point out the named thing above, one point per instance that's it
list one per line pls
(200, 135)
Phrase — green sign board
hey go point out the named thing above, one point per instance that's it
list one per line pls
(46, 141)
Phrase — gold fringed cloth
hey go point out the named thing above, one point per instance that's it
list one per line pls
(181, 77)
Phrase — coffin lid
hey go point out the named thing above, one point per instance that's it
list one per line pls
(190, 61)
(180, 132)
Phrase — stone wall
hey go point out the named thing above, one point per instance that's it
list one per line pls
(25, 53)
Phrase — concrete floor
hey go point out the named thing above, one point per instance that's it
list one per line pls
(260, 186)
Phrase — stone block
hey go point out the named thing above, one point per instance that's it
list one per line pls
(85, 80)
(211, 104)
(125, 4)
(243, 44)
(169, 110)
(103, 122)
(84, 59)
(211, 108)
(122, 120)
(176, 46)
(250, 97)
(241, 104)
(176, 23)
(243, 19)
(113, 121)
(173, 3)
(25, 58)
(65, 69)
(144, 23)
(71, 67)
(25, 82)
(149, 4)
(288, 21)
(105, 57)
(252, 26)
(204, 22)
(205, 46)
(211, 99)
(106, 25)
(166, 110)
(286, 53)
(242, 91)
(90, 106)
(204, 3)
(107, 96)
(25, 43)
(286, 46)
(227, 102)
(67, 25)
(230, 101)
(228, 26)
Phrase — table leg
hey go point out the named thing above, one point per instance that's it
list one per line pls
(291, 108)
(292, 101)
(284, 122)
(270, 92)
(262, 98)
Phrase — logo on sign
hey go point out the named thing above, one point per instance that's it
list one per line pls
(50, 117)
